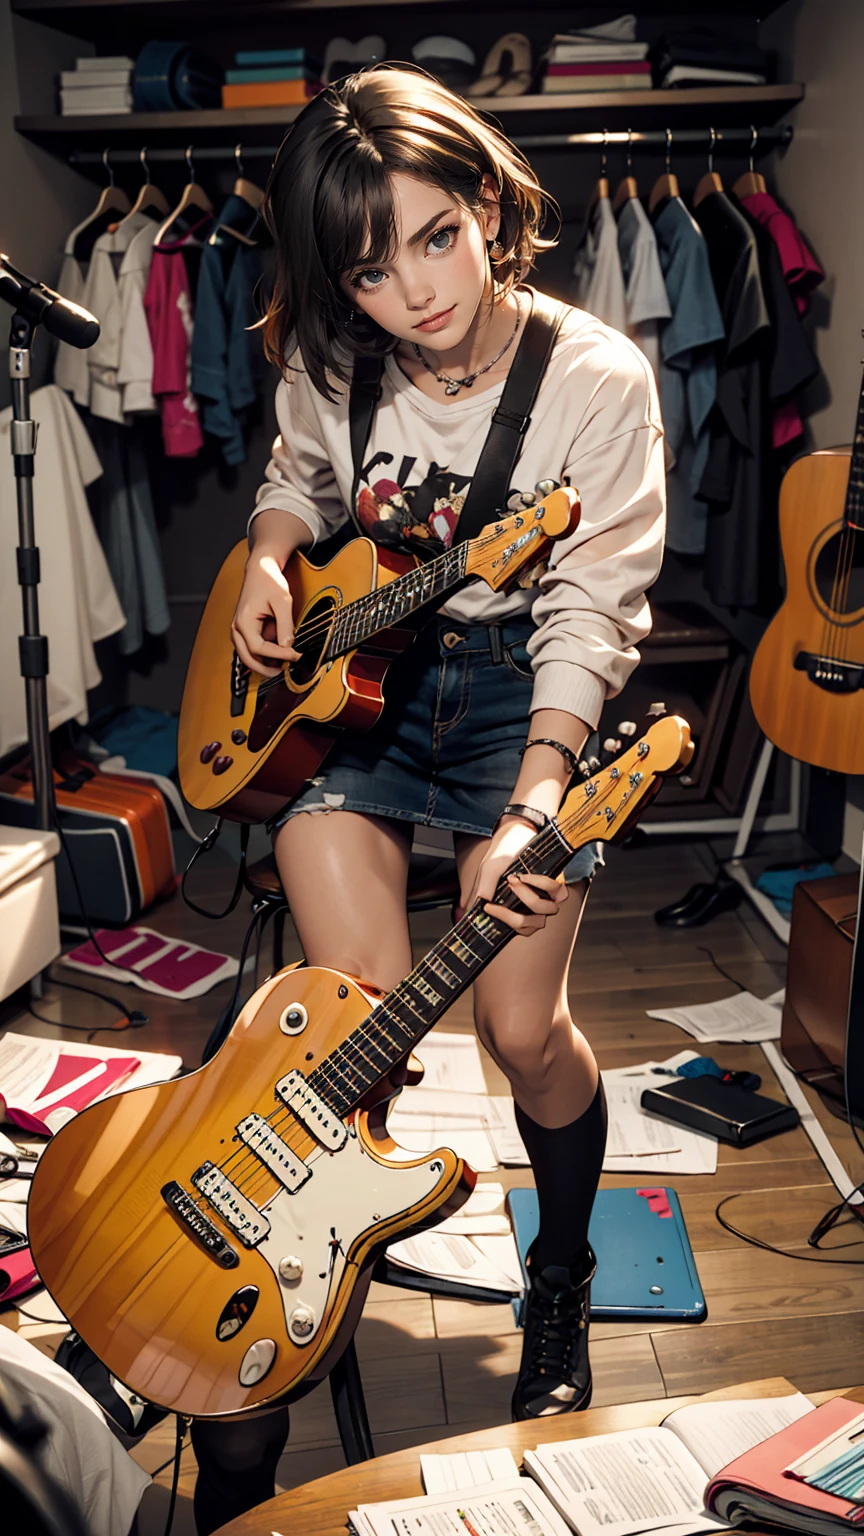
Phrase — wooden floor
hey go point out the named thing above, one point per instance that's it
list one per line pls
(434, 1368)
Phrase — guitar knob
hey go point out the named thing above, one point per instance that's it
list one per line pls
(301, 1323)
(208, 753)
(222, 764)
(238, 738)
(290, 1268)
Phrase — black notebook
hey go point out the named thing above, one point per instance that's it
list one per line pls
(720, 1109)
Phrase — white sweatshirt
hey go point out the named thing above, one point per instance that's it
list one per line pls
(595, 425)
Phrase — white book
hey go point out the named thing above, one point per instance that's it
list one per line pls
(467, 1469)
(571, 51)
(115, 96)
(77, 80)
(740, 1017)
(680, 72)
(96, 66)
(502, 1508)
(94, 111)
(655, 1479)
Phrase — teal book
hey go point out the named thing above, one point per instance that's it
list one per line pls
(260, 76)
(272, 56)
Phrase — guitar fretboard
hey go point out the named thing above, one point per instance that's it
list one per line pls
(385, 607)
(407, 1013)
(853, 514)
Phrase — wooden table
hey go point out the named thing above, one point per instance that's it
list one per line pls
(321, 1508)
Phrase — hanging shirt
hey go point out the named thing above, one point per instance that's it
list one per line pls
(645, 290)
(596, 425)
(168, 306)
(598, 282)
(801, 270)
(793, 362)
(123, 510)
(102, 298)
(228, 366)
(688, 370)
(78, 604)
(135, 366)
(70, 363)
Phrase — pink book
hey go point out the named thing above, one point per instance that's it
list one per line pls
(604, 68)
(74, 1082)
(761, 1487)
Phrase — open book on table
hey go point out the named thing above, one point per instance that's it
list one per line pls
(512, 1506)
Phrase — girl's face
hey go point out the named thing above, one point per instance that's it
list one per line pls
(431, 292)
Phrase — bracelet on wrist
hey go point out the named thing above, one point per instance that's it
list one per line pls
(537, 819)
(568, 755)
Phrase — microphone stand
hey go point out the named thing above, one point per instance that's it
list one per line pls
(32, 645)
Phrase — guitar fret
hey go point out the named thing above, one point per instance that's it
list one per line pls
(464, 951)
(441, 970)
(425, 990)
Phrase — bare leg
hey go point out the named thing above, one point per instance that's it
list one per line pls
(345, 877)
(522, 1013)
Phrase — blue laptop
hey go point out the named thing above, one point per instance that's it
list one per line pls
(645, 1265)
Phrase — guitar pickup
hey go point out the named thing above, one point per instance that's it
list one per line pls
(311, 1111)
(238, 1213)
(275, 1154)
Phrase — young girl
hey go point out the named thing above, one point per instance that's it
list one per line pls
(404, 226)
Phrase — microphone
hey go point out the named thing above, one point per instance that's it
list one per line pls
(60, 317)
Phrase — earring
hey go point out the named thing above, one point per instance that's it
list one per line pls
(495, 249)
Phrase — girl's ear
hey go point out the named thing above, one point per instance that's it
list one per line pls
(489, 197)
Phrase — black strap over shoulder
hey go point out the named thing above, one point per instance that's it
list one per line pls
(510, 421)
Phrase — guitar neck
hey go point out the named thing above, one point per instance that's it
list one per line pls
(388, 605)
(853, 512)
(407, 1013)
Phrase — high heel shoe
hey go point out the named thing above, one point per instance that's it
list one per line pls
(507, 70)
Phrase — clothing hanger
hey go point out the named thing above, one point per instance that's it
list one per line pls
(752, 181)
(601, 185)
(667, 184)
(149, 200)
(627, 187)
(246, 189)
(710, 182)
(112, 205)
(194, 198)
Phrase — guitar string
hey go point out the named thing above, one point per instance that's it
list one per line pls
(849, 625)
(281, 1116)
(843, 637)
(388, 590)
(831, 606)
(331, 1064)
(544, 842)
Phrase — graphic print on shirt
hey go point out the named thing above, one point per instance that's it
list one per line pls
(421, 518)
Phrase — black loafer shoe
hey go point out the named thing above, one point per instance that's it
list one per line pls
(702, 903)
(555, 1373)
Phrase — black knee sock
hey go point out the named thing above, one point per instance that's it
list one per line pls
(567, 1162)
(236, 1466)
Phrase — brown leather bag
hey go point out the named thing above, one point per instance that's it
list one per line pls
(813, 1038)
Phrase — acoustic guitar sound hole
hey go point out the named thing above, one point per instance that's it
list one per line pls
(839, 573)
(310, 639)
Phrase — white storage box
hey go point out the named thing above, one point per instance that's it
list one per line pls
(29, 925)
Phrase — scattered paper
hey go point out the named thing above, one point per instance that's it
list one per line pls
(461, 1259)
(625, 1482)
(502, 1508)
(482, 1214)
(466, 1469)
(451, 1061)
(423, 1119)
(13, 1217)
(500, 1118)
(642, 1143)
(740, 1018)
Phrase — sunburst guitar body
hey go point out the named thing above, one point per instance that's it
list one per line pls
(212, 1238)
(807, 678)
(248, 744)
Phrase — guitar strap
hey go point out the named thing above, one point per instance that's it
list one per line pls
(510, 421)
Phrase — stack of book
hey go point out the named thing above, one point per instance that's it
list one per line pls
(584, 63)
(272, 77)
(96, 88)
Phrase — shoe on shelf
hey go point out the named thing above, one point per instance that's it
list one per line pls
(555, 1372)
(701, 903)
(507, 70)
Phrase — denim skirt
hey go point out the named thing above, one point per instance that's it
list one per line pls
(445, 750)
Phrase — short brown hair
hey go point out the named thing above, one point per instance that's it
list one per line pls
(330, 206)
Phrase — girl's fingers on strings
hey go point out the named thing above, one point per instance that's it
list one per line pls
(248, 658)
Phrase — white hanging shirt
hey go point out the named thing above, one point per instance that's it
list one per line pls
(647, 301)
(77, 600)
(70, 363)
(135, 368)
(598, 282)
(102, 298)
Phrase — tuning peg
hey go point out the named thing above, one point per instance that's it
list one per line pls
(545, 488)
(594, 764)
(584, 769)
(627, 727)
(611, 745)
(657, 709)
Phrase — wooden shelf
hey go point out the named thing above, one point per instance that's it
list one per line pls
(543, 114)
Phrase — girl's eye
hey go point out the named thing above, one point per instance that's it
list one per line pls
(369, 280)
(446, 235)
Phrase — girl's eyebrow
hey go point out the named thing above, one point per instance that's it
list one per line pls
(428, 227)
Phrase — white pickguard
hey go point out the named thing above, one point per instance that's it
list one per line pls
(350, 1192)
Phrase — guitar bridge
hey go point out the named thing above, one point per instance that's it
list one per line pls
(240, 675)
(193, 1219)
(828, 673)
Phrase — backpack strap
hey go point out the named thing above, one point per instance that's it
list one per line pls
(487, 493)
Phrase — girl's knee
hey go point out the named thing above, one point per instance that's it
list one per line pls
(523, 1044)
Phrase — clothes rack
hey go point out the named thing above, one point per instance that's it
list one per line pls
(693, 140)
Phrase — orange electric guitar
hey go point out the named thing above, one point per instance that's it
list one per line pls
(212, 1238)
(247, 744)
(807, 680)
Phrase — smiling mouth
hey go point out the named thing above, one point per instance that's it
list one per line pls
(434, 319)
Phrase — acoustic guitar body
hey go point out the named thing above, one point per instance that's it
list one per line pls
(247, 744)
(806, 679)
(119, 1229)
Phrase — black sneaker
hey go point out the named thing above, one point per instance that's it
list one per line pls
(555, 1373)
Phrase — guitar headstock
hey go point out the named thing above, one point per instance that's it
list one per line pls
(504, 548)
(605, 806)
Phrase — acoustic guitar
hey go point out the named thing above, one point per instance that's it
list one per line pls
(247, 744)
(212, 1238)
(807, 679)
